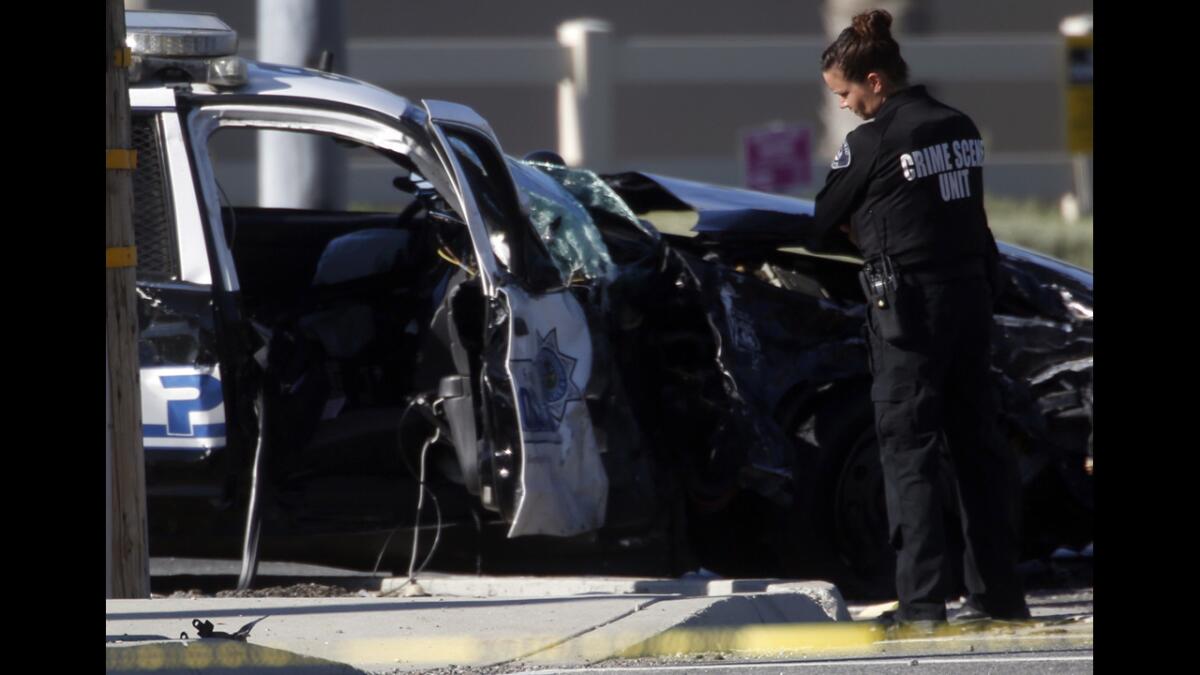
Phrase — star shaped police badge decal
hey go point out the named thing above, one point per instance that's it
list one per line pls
(554, 370)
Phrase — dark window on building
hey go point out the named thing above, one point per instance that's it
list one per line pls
(153, 221)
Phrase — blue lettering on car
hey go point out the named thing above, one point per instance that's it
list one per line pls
(179, 422)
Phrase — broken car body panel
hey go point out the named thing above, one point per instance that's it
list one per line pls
(1042, 339)
(563, 489)
(182, 401)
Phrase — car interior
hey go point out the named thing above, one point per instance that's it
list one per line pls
(345, 303)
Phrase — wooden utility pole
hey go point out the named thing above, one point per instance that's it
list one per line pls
(129, 556)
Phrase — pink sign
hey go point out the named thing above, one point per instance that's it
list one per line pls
(777, 158)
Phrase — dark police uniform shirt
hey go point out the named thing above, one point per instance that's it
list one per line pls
(910, 183)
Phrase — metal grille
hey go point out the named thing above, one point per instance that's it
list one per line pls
(153, 225)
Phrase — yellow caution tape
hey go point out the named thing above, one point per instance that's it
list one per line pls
(120, 159)
(202, 655)
(836, 638)
(120, 256)
(122, 57)
(829, 639)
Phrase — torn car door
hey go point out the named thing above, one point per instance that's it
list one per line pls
(539, 450)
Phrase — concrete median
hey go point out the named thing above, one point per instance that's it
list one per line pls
(476, 620)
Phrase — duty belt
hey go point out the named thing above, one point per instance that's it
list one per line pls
(932, 272)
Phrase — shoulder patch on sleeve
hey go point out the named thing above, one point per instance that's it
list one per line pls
(842, 160)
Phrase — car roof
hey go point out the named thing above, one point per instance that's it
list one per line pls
(268, 79)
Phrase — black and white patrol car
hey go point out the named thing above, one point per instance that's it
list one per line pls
(522, 346)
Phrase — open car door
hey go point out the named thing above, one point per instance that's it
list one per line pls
(537, 452)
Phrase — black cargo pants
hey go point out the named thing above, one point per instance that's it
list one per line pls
(932, 393)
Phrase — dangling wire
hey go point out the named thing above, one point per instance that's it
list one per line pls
(412, 563)
(437, 533)
(379, 559)
(413, 405)
(413, 569)
(418, 400)
(445, 254)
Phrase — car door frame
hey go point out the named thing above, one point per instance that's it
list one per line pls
(541, 434)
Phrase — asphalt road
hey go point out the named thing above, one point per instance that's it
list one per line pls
(1038, 663)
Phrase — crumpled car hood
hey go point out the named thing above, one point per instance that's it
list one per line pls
(726, 214)
(1042, 342)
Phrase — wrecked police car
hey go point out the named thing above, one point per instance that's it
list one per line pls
(519, 365)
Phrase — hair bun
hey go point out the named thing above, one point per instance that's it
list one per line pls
(864, 46)
(873, 25)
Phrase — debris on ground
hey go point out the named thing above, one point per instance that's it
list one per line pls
(306, 590)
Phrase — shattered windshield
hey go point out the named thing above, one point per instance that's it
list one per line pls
(557, 198)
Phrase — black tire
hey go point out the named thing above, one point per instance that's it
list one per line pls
(858, 526)
(859, 523)
(843, 495)
(850, 512)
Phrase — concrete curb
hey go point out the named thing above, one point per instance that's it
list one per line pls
(487, 620)
(823, 592)
(707, 623)
(638, 632)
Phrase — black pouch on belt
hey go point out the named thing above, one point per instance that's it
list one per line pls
(881, 286)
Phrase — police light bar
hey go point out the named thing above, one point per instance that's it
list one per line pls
(191, 46)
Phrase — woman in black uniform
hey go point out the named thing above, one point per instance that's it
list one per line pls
(907, 188)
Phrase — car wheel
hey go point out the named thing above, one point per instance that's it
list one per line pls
(859, 526)
(849, 508)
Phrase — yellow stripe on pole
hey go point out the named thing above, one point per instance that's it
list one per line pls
(1079, 94)
(120, 159)
(121, 256)
(122, 57)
